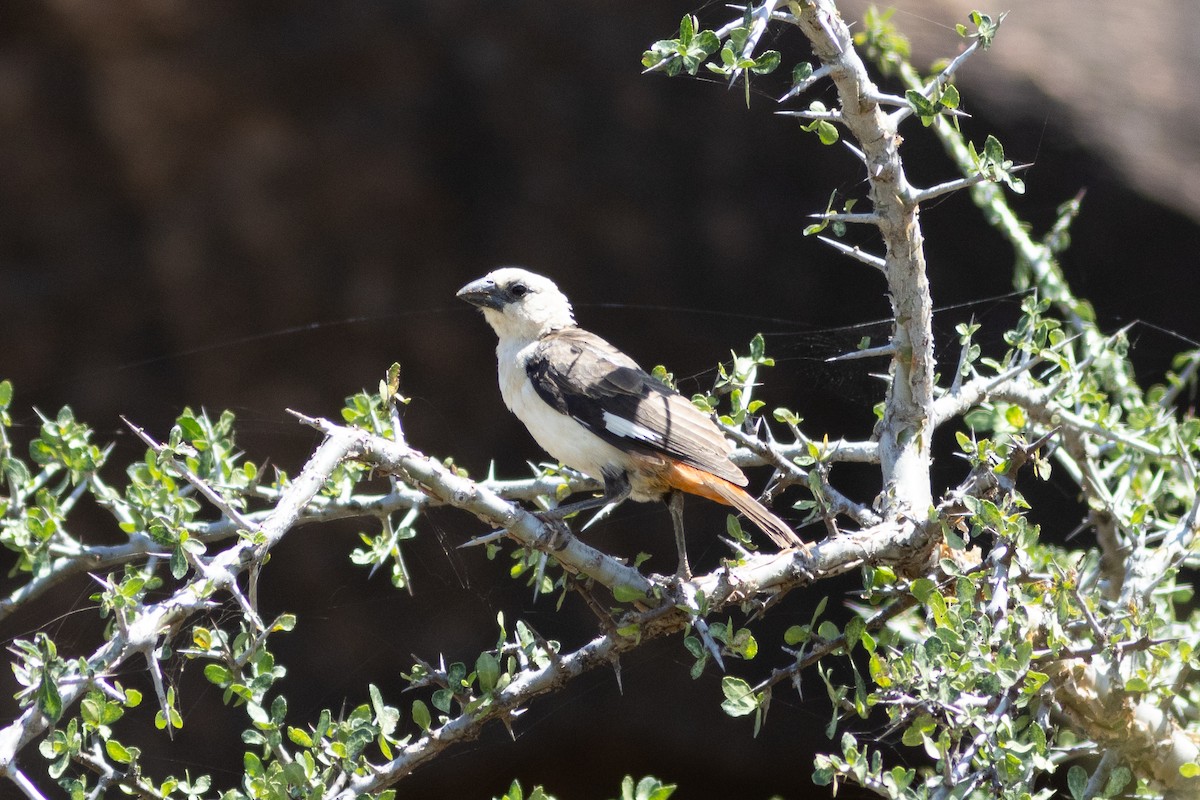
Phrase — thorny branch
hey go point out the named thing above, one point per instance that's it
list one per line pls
(156, 622)
(895, 531)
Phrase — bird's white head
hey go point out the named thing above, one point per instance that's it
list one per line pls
(519, 304)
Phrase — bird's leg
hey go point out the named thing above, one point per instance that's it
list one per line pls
(616, 490)
(675, 504)
(683, 576)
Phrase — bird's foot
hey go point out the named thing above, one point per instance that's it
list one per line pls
(557, 532)
(684, 571)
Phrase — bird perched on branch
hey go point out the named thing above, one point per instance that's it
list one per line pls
(594, 409)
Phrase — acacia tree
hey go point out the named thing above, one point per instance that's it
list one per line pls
(998, 657)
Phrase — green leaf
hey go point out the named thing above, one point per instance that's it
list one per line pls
(766, 63)
(110, 712)
(1119, 778)
(919, 730)
(687, 29)
(284, 622)
(90, 709)
(387, 717)
(6, 394)
(648, 788)
(299, 737)
(992, 150)
(487, 667)
(920, 104)
(855, 628)
(178, 563)
(740, 699)
(202, 637)
(1136, 684)
(744, 644)
(442, 700)
(190, 428)
(1015, 416)
(986, 28)
(922, 588)
(828, 631)
(49, 701)
(707, 42)
(117, 751)
(253, 765)
(827, 132)
(420, 715)
(218, 674)
(257, 714)
(1077, 779)
(625, 594)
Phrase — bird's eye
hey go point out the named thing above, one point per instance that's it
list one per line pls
(519, 290)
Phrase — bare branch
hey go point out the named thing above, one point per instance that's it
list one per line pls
(886, 350)
(856, 253)
(904, 432)
(856, 219)
(925, 195)
(831, 116)
(817, 74)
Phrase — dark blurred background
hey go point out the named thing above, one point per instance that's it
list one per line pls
(259, 206)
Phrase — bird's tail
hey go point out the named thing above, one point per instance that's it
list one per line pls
(696, 481)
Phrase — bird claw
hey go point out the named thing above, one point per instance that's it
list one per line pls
(557, 530)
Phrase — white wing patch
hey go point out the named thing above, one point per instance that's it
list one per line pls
(620, 426)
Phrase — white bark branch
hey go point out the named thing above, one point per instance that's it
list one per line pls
(905, 431)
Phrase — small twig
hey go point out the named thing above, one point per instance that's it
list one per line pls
(1185, 376)
(886, 350)
(798, 88)
(23, 783)
(832, 646)
(884, 99)
(791, 473)
(936, 83)
(858, 153)
(1108, 762)
(759, 17)
(1041, 405)
(201, 485)
(854, 219)
(925, 195)
(953, 403)
(856, 253)
(830, 116)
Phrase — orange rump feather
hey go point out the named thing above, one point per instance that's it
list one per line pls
(691, 480)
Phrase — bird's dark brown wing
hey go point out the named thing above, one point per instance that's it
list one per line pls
(581, 375)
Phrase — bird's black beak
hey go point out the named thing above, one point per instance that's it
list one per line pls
(483, 293)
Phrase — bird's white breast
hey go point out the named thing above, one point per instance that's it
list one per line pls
(558, 434)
